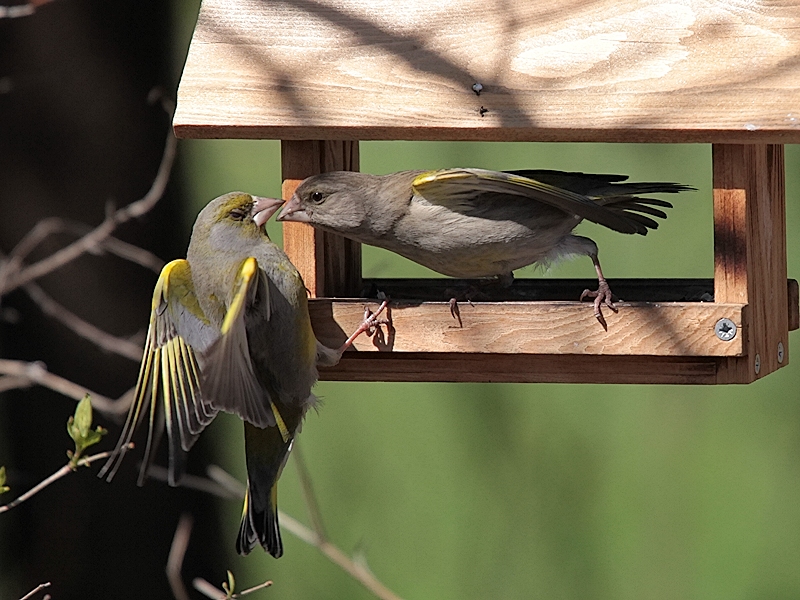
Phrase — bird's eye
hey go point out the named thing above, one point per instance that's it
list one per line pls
(317, 197)
(238, 214)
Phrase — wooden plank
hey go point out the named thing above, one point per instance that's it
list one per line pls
(630, 290)
(750, 253)
(523, 368)
(329, 264)
(553, 70)
(509, 328)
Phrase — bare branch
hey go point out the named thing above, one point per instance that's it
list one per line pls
(210, 591)
(36, 590)
(10, 382)
(25, 374)
(233, 486)
(86, 330)
(193, 482)
(207, 589)
(357, 569)
(177, 551)
(308, 494)
(94, 239)
(63, 471)
(134, 254)
(255, 588)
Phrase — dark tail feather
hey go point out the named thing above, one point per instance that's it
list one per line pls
(260, 526)
(636, 210)
(600, 185)
(266, 453)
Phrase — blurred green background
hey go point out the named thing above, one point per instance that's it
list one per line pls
(448, 490)
(533, 490)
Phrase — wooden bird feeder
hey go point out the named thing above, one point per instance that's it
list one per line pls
(321, 74)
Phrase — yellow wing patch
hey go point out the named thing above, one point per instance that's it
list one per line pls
(230, 383)
(169, 375)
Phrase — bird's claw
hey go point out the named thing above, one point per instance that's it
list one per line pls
(372, 320)
(467, 296)
(455, 312)
(602, 295)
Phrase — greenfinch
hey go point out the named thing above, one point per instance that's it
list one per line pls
(473, 223)
(230, 331)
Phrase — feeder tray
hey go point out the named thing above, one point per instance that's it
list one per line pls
(321, 75)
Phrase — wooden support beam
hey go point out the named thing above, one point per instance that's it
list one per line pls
(515, 368)
(668, 340)
(641, 328)
(750, 253)
(329, 264)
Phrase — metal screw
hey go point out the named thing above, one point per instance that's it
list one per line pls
(725, 329)
(758, 364)
(780, 352)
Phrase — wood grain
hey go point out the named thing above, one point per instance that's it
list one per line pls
(329, 264)
(750, 252)
(523, 368)
(553, 70)
(508, 328)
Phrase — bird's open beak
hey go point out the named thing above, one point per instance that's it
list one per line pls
(264, 208)
(293, 211)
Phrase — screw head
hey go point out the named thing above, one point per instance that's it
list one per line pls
(758, 364)
(725, 329)
(780, 352)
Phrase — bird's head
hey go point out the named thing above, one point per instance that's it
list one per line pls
(336, 201)
(233, 219)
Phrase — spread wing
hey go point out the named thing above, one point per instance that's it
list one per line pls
(169, 375)
(456, 189)
(229, 380)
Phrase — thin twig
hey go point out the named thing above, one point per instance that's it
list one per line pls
(25, 374)
(316, 536)
(53, 225)
(356, 569)
(62, 472)
(255, 588)
(177, 552)
(193, 482)
(36, 590)
(308, 494)
(135, 254)
(11, 382)
(210, 591)
(99, 234)
(207, 589)
(84, 329)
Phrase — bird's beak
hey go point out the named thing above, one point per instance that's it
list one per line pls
(264, 208)
(293, 211)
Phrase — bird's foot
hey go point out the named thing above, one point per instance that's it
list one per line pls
(601, 296)
(368, 325)
(466, 296)
(373, 320)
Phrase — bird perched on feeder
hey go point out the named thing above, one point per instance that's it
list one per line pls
(230, 331)
(472, 223)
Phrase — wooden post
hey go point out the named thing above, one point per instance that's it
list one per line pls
(330, 264)
(750, 254)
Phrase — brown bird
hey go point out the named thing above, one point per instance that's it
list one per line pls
(472, 223)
